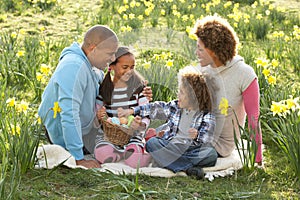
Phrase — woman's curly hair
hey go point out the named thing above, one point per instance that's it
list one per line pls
(218, 36)
(194, 84)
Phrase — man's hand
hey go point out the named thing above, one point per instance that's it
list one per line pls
(88, 163)
(193, 133)
(147, 91)
(101, 112)
(160, 134)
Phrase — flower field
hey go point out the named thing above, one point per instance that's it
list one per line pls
(34, 32)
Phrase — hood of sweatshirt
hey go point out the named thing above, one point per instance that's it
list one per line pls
(75, 48)
(234, 61)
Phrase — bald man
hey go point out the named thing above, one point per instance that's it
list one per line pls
(74, 85)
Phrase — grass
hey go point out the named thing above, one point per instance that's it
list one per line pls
(67, 22)
(63, 183)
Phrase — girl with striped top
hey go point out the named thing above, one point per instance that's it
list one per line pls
(124, 91)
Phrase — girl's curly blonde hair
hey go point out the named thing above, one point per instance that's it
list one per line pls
(193, 82)
(218, 36)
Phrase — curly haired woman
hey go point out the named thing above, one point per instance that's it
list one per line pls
(233, 79)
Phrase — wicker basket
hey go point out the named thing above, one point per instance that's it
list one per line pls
(116, 134)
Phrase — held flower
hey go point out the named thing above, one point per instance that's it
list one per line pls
(223, 106)
(56, 109)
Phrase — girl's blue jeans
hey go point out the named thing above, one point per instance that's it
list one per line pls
(180, 157)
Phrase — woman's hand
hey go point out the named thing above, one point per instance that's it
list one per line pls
(147, 91)
(124, 112)
(193, 133)
(101, 112)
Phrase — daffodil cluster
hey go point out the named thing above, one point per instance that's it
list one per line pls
(44, 73)
(269, 69)
(20, 107)
(284, 107)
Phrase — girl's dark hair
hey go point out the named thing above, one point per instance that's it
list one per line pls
(135, 84)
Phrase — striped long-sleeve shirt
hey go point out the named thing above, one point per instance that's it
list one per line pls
(120, 99)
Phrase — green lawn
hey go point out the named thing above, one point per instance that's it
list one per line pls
(65, 22)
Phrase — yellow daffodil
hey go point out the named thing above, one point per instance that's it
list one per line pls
(156, 56)
(176, 13)
(39, 76)
(287, 38)
(42, 43)
(13, 34)
(262, 62)
(22, 32)
(227, 4)
(42, 28)
(184, 18)
(272, 80)
(16, 130)
(56, 109)
(38, 119)
(259, 16)
(292, 104)
(193, 36)
(44, 80)
(169, 63)
(266, 72)
(223, 106)
(164, 56)
(162, 12)
(121, 9)
(276, 108)
(281, 33)
(131, 16)
(128, 28)
(147, 65)
(132, 4)
(123, 28)
(275, 63)
(254, 4)
(140, 17)
(20, 53)
(45, 69)
(22, 107)
(11, 102)
(148, 11)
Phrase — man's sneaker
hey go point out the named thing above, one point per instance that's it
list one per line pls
(195, 171)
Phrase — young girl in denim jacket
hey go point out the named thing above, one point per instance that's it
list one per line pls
(184, 144)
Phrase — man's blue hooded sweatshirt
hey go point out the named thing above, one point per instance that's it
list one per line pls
(74, 85)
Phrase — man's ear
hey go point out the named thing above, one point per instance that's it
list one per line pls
(90, 48)
(112, 67)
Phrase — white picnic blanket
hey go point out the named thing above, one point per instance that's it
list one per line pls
(50, 156)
